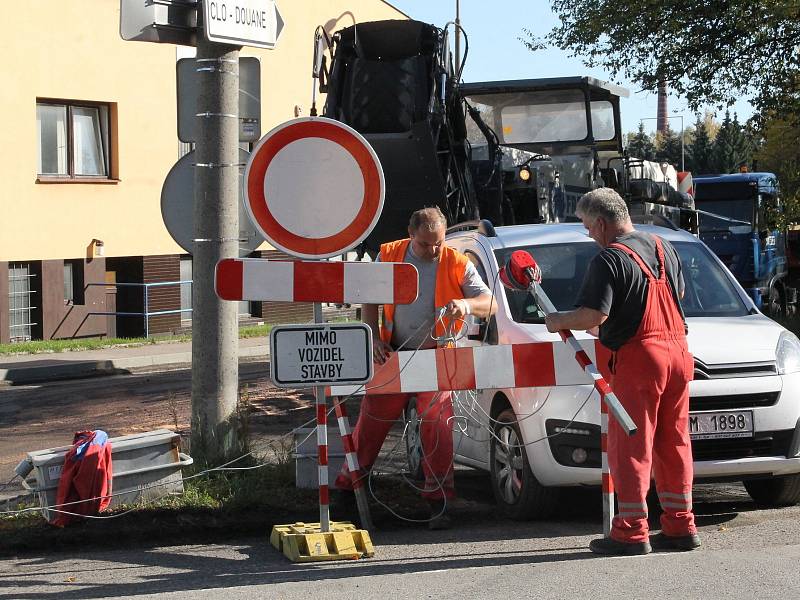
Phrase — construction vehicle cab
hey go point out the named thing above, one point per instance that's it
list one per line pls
(738, 221)
(538, 145)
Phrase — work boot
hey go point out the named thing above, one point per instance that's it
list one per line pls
(439, 518)
(612, 547)
(683, 543)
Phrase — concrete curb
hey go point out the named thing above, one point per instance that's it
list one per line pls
(78, 369)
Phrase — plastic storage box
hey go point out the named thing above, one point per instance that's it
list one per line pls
(146, 466)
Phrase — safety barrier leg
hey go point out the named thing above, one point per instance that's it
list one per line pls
(608, 483)
(352, 464)
(322, 454)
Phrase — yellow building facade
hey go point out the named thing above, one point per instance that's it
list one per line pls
(90, 134)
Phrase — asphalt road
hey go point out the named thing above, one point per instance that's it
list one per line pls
(746, 553)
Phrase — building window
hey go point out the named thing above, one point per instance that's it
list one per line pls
(20, 306)
(73, 140)
(73, 282)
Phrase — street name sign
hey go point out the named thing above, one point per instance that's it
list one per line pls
(320, 354)
(243, 22)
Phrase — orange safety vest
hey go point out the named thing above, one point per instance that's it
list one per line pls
(449, 275)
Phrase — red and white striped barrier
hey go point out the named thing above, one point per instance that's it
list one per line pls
(356, 476)
(607, 483)
(316, 281)
(322, 462)
(536, 364)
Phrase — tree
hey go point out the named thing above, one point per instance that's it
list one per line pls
(668, 148)
(779, 153)
(732, 147)
(699, 151)
(711, 52)
(640, 145)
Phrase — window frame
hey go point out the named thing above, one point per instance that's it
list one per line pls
(76, 284)
(107, 140)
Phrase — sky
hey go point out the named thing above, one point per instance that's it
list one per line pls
(496, 53)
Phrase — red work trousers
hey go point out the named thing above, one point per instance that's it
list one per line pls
(659, 405)
(378, 414)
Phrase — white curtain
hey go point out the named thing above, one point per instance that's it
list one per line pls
(88, 148)
(51, 123)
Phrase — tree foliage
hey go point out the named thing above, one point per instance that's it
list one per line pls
(779, 153)
(699, 151)
(669, 148)
(711, 52)
(732, 148)
(640, 145)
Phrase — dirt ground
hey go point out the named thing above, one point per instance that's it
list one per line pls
(36, 417)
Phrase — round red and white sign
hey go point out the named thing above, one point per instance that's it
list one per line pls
(314, 187)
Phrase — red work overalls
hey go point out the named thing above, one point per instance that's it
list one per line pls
(651, 377)
(378, 414)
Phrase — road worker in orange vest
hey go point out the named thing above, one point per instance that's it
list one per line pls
(450, 288)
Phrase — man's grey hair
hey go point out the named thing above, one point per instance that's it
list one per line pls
(430, 218)
(605, 203)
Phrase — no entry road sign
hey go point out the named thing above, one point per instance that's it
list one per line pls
(321, 354)
(314, 187)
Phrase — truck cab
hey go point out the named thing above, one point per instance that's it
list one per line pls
(538, 145)
(738, 221)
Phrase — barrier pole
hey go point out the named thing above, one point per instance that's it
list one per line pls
(352, 464)
(322, 444)
(608, 483)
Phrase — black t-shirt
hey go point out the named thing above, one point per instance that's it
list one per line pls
(616, 286)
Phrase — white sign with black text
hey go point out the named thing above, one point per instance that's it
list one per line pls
(243, 22)
(320, 354)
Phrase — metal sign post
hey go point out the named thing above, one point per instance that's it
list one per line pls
(323, 354)
(322, 443)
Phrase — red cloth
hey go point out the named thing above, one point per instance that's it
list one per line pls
(86, 475)
(651, 377)
(378, 414)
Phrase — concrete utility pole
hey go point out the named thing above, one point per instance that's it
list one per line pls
(215, 366)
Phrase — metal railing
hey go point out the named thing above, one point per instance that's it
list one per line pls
(147, 313)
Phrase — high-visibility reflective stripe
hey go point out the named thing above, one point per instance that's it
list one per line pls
(677, 505)
(632, 514)
(633, 505)
(687, 496)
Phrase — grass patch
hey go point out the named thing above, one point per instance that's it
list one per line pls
(215, 507)
(77, 345)
(72, 345)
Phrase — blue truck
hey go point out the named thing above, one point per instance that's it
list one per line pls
(738, 221)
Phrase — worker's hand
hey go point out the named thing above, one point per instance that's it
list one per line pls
(552, 323)
(456, 308)
(595, 331)
(380, 351)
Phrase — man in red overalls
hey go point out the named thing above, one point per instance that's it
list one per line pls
(630, 296)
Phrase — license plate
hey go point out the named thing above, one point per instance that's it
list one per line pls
(721, 424)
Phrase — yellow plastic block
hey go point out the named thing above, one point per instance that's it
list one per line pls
(305, 542)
